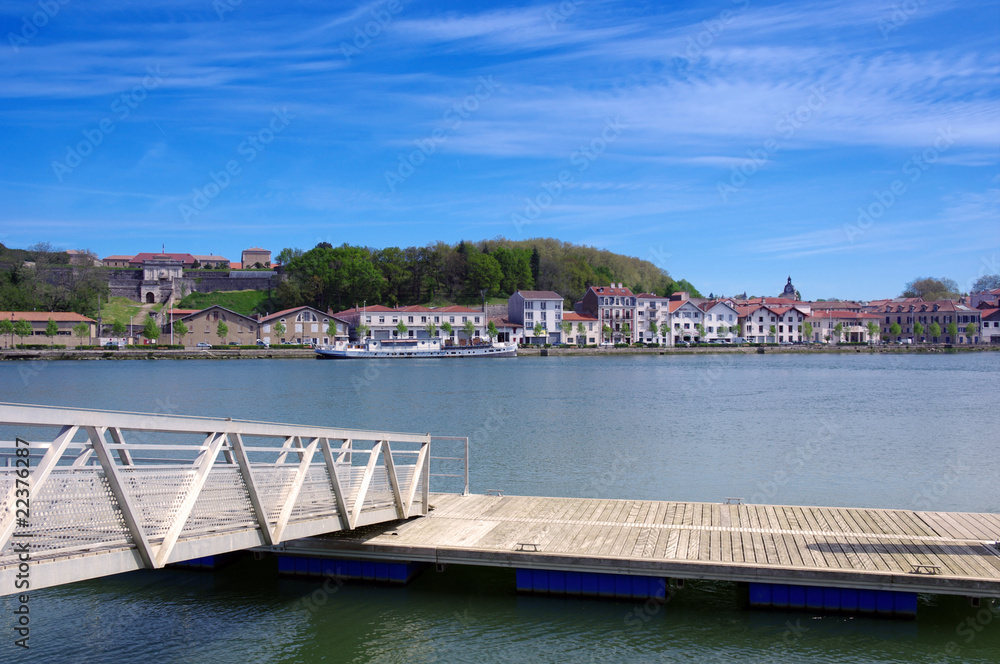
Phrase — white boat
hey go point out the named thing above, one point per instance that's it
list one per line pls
(402, 348)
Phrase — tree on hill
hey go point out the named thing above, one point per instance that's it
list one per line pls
(344, 276)
(118, 328)
(930, 288)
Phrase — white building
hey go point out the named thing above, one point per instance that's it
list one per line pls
(533, 308)
(384, 322)
(653, 309)
(722, 321)
(685, 317)
(302, 325)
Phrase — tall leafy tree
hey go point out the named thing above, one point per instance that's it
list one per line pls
(930, 288)
(986, 282)
(935, 331)
(51, 328)
(22, 328)
(222, 331)
(181, 330)
(81, 330)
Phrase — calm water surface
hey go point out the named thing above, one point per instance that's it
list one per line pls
(853, 430)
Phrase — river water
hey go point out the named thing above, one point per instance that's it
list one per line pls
(907, 431)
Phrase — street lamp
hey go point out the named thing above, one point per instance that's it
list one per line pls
(130, 329)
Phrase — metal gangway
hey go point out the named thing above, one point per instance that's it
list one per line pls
(91, 493)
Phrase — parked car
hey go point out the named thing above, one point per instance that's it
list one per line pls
(113, 345)
(263, 344)
(203, 344)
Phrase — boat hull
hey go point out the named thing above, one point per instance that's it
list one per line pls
(457, 351)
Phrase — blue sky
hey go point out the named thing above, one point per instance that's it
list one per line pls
(851, 145)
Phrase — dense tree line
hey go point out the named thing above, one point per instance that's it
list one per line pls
(40, 279)
(341, 277)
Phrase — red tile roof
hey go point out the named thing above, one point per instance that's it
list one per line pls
(44, 316)
(575, 317)
(611, 290)
(504, 322)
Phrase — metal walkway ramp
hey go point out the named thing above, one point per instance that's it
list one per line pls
(92, 493)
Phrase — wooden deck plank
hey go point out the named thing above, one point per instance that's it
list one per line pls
(806, 540)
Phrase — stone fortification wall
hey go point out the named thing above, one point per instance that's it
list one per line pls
(124, 283)
(205, 282)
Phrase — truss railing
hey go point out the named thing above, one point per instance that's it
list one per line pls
(99, 492)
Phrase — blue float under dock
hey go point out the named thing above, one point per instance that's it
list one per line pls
(207, 562)
(590, 584)
(841, 600)
(361, 570)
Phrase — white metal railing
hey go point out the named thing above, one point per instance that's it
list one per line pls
(456, 467)
(154, 489)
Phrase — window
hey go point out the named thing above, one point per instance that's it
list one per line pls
(477, 319)
(541, 305)
(409, 319)
(381, 319)
(529, 305)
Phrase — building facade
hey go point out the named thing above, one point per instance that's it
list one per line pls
(303, 325)
(203, 327)
(615, 309)
(538, 308)
(39, 321)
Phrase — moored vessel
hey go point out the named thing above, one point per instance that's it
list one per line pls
(404, 348)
